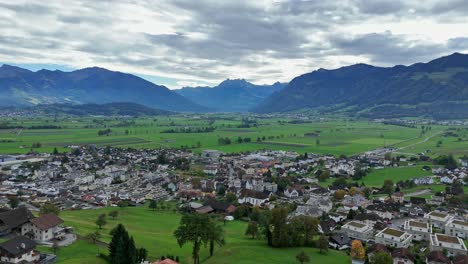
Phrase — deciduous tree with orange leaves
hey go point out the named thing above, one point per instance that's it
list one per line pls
(357, 250)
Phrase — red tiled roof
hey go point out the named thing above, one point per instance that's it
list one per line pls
(166, 261)
(46, 221)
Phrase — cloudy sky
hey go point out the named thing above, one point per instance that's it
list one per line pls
(198, 42)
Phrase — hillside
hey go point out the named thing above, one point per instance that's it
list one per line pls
(21, 87)
(230, 95)
(110, 109)
(438, 89)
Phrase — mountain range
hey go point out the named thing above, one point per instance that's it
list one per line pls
(109, 109)
(230, 95)
(438, 88)
(21, 87)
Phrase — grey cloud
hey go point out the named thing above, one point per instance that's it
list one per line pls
(386, 48)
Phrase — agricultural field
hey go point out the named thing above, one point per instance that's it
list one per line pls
(154, 231)
(337, 136)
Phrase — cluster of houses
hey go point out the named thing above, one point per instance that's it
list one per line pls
(23, 232)
(90, 177)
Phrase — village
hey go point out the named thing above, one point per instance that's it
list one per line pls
(385, 219)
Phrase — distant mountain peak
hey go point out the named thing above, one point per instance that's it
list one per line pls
(7, 70)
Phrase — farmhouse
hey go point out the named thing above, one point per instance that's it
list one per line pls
(18, 250)
(453, 245)
(393, 237)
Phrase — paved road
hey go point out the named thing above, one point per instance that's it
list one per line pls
(421, 192)
(420, 142)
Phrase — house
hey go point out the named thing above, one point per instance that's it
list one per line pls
(292, 192)
(354, 202)
(339, 241)
(19, 250)
(254, 198)
(369, 219)
(357, 230)
(220, 207)
(437, 219)
(419, 230)
(384, 211)
(446, 180)
(453, 245)
(165, 261)
(437, 257)
(12, 220)
(464, 162)
(211, 169)
(393, 237)
(211, 154)
(402, 255)
(43, 228)
(460, 259)
(424, 181)
(398, 197)
(457, 228)
(376, 248)
(327, 226)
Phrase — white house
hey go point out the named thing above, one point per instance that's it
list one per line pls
(18, 250)
(457, 228)
(43, 228)
(453, 245)
(393, 237)
(419, 230)
(437, 219)
(255, 198)
(357, 230)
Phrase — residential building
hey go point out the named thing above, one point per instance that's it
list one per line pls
(19, 250)
(453, 245)
(43, 228)
(457, 228)
(402, 256)
(437, 257)
(398, 197)
(437, 219)
(393, 237)
(357, 230)
(419, 230)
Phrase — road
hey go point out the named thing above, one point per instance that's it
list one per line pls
(420, 142)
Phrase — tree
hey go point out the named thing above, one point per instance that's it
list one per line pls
(141, 255)
(381, 258)
(199, 230)
(301, 230)
(339, 194)
(101, 221)
(93, 236)
(278, 224)
(49, 208)
(153, 205)
(114, 214)
(216, 237)
(252, 229)
(13, 202)
(122, 247)
(230, 197)
(367, 192)
(357, 250)
(322, 244)
(55, 152)
(302, 257)
(388, 187)
(122, 204)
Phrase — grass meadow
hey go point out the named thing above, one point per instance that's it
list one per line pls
(154, 231)
(337, 137)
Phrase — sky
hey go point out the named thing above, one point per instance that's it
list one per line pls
(197, 43)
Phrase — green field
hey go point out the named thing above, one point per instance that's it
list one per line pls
(335, 137)
(154, 231)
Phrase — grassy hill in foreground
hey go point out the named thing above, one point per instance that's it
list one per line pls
(154, 231)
